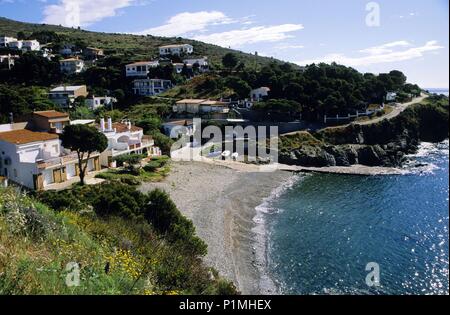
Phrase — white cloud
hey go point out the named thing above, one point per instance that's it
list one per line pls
(377, 56)
(385, 48)
(186, 22)
(241, 37)
(288, 47)
(83, 12)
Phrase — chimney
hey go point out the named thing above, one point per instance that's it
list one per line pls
(110, 128)
(102, 124)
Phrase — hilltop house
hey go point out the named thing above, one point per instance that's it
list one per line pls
(17, 44)
(64, 96)
(50, 121)
(202, 63)
(259, 94)
(391, 96)
(150, 87)
(95, 102)
(4, 41)
(36, 159)
(71, 65)
(140, 69)
(92, 53)
(31, 45)
(201, 107)
(176, 50)
(124, 138)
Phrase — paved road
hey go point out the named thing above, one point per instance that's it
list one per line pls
(400, 107)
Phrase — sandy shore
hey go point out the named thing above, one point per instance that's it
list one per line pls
(221, 202)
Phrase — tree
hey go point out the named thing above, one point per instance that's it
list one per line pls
(131, 162)
(240, 87)
(230, 61)
(84, 140)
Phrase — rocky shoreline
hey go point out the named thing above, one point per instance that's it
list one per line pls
(384, 144)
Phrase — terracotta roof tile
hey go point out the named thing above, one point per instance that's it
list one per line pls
(26, 136)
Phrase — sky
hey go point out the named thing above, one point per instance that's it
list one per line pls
(372, 36)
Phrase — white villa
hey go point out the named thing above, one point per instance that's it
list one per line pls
(95, 102)
(150, 87)
(176, 50)
(202, 63)
(391, 96)
(64, 96)
(178, 67)
(124, 138)
(140, 69)
(178, 127)
(4, 41)
(31, 45)
(259, 93)
(71, 65)
(36, 159)
(201, 106)
(17, 44)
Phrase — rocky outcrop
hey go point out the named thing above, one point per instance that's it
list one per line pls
(381, 144)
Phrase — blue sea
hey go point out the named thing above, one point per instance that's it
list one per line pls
(321, 231)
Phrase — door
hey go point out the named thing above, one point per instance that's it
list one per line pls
(48, 177)
(71, 171)
(90, 165)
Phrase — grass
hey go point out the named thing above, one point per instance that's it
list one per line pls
(155, 171)
(114, 255)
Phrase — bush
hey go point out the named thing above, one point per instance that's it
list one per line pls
(163, 214)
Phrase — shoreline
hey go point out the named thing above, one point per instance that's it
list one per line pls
(222, 203)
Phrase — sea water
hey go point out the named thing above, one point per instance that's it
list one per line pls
(321, 231)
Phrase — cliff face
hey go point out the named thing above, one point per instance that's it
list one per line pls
(381, 144)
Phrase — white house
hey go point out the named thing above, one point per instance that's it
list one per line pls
(201, 106)
(259, 93)
(95, 102)
(124, 138)
(17, 44)
(64, 96)
(71, 65)
(150, 87)
(391, 96)
(37, 160)
(178, 67)
(178, 127)
(176, 50)
(4, 41)
(202, 63)
(31, 45)
(140, 69)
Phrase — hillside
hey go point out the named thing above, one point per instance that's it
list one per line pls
(134, 46)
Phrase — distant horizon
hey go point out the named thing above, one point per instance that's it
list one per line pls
(370, 36)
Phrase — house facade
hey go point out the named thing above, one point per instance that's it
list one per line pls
(203, 65)
(71, 65)
(4, 41)
(93, 53)
(36, 160)
(200, 106)
(259, 94)
(140, 69)
(95, 102)
(179, 127)
(176, 50)
(150, 87)
(64, 96)
(124, 138)
(391, 96)
(31, 45)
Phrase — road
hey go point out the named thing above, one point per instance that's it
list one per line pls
(400, 107)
